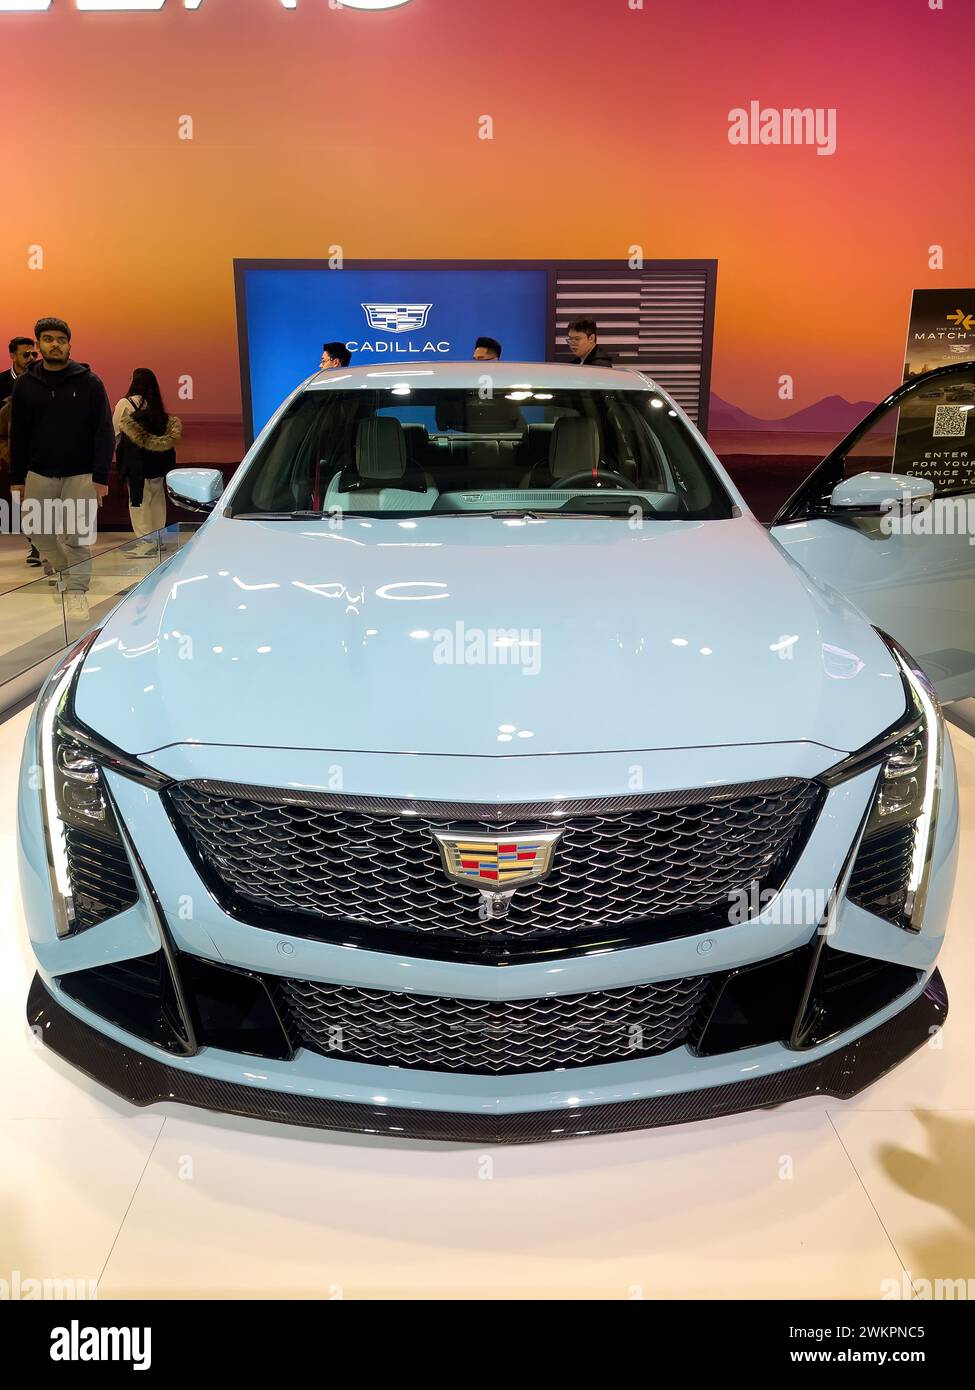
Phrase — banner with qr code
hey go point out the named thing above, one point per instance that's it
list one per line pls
(936, 426)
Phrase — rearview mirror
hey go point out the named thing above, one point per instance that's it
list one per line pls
(197, 489)
(877, 492)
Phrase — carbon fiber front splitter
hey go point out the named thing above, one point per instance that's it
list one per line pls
(144, 1081)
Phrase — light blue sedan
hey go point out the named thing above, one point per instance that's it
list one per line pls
(484, 770)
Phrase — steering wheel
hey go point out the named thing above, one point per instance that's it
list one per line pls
(585, 474)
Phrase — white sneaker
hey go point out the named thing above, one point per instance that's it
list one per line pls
(76, 607)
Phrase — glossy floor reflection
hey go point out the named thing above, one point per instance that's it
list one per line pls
(819, 1199)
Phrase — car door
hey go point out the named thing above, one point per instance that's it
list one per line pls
(889, 518)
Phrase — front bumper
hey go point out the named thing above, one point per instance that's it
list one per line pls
(145, 1080)
(175, 915)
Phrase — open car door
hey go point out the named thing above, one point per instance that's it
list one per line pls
(889, 518)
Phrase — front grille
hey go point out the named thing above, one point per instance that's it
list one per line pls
(882, 872)
(100, 875)
(619, 861)
(478, 1035)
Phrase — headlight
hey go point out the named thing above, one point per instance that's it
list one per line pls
(919, 777)
(91, 877)
(899, 799)
(892, 870)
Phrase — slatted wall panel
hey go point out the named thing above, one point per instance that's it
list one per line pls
(652, 320)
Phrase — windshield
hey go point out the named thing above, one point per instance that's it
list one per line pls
(449, 451)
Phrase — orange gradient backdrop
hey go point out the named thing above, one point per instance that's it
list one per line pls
(321, 126)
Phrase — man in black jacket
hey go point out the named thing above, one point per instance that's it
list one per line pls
(22, 354)
(334, 355)
(61, 446)
(581, 338)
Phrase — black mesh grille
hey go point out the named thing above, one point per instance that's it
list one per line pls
(101, 877)
(476, 1035)
(384, 870)
(881, 872)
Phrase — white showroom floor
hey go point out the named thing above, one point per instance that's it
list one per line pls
(819, 1199)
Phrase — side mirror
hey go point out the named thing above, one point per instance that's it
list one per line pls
(878, 492)
(196, 489)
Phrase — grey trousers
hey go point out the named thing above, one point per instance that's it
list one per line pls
(63, 539)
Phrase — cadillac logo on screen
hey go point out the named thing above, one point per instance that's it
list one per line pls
(397, 319)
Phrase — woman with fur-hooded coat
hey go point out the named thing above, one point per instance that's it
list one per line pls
(146, 439)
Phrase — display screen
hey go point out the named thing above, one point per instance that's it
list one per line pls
(384, 316)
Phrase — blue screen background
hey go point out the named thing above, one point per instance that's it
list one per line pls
(292, 312)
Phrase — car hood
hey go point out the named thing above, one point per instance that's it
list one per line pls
(474, 635)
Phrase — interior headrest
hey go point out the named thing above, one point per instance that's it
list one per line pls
(575, 446)
(380, 449)
(473, 416)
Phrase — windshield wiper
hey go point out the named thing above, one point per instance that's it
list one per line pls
(509, 514)
(516, 514)
(276, 516)
(501, 514)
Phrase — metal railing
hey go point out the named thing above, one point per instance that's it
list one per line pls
(42, 617)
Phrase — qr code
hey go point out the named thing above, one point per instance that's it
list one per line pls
(949, 421)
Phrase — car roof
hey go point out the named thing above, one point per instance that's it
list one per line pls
(470, 375)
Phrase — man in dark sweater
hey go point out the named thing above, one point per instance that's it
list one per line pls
(582, 340)
(22, 354)
(61, 446)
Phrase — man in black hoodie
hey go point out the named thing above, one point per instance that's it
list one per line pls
(61, 446)
(22, 355)
(581, 338)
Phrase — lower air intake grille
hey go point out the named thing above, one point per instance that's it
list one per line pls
(881, 873)
(846, 990)
(101, 877)
(137, 995)
(477, 1035)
